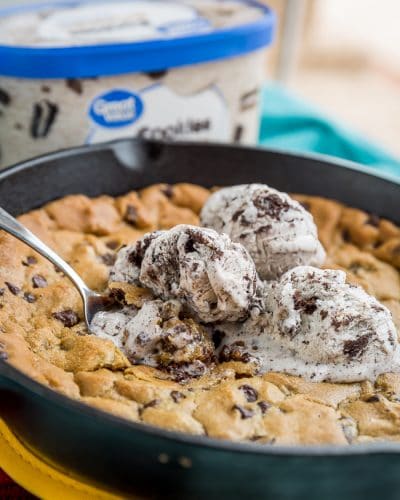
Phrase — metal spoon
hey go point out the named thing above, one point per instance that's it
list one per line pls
(92, 301)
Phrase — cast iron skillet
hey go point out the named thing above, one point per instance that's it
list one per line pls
(137, 459)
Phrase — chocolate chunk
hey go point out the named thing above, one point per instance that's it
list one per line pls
(5, 98)
(39, 281)
(308, 306)
(3, 356)
(152, 403)
(68, 318)
(13, 288)
(75, 85)
(112, 244)
(250, 393)
(353, 348)
(177, 396)
(131, 214)
(43, 118)
(217, 338)
(30, 261)
(373, 220)
(156, 75)
(29, 297)
(168, 191)
(238, 134)
(244, 412)
(373, 399)
(264, 406)
(109, 259)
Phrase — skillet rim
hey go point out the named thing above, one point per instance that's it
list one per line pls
(16, 376)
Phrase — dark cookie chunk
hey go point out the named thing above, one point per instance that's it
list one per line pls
(244, 412)
(250, 393)
(75, 85)
(353, 348)
(68, 317)
(306, 305)
(39, 281)
(137, 255)
(271, 205)
(43, 118)
(5, 98)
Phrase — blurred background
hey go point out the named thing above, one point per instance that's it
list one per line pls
(344, 57)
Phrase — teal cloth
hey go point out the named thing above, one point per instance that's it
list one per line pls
(289, 123)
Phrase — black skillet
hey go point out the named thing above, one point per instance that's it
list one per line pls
(138, 459)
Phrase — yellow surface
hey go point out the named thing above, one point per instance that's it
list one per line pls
(37, 477)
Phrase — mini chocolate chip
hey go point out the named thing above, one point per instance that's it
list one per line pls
(217, 338)
(39, 281)
(168, 191)
(250, 393)
(13, 288)
(244, 412)
(29, 297)
(112, 244)
(152, 403)
(30, 261)
(352, 348)
(373, 220)
(177, 396)
(3, 356)
(68, 317)
(156, 75)
(264, 406)
(4, 97)
(373, 399)
(346, 236)
(131, 214)
(109, 259)
(75, 85)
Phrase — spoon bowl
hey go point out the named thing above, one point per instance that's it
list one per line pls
(93, 302)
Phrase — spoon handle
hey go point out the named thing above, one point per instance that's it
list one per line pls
(12, 226)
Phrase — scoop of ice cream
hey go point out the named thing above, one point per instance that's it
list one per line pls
(276, 230)
(319, 327)
(155, 335)
(214, 277)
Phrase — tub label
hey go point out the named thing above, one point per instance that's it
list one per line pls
(116, 109)
(157, 112)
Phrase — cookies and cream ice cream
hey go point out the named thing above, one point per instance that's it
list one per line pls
(157, 335)
(74, 73)
(213, 277)
(319, 327)
(276, 230)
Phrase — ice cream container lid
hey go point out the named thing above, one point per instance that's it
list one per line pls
(91, 38)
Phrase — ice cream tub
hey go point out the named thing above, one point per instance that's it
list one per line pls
(86, 71)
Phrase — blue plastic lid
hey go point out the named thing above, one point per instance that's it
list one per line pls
(177, 35)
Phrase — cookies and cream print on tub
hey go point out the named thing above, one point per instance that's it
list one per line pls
(88, 71)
